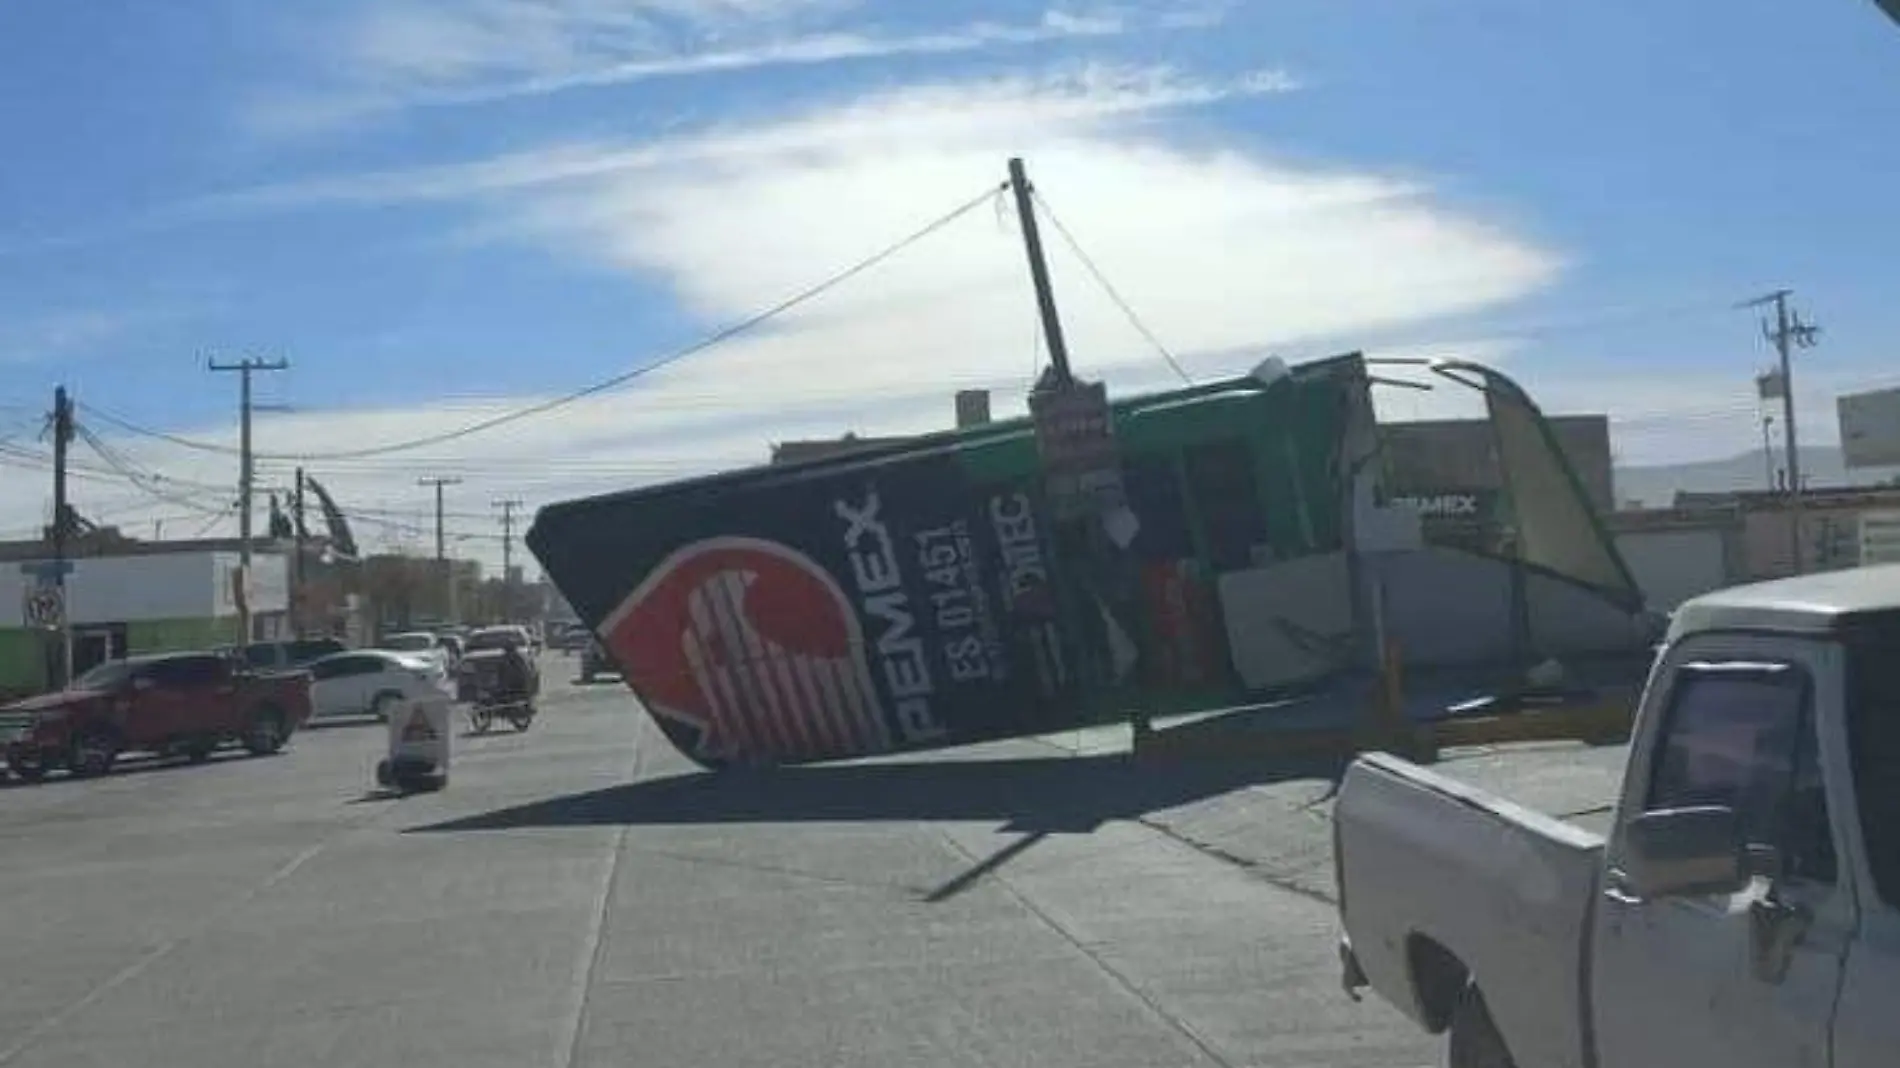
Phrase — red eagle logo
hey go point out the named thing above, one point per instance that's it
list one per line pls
(756, 648)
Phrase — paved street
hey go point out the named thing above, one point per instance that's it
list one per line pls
(578, 896)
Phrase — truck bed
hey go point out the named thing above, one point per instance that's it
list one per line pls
(1440, 879)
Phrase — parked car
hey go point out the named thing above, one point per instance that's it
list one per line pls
(1743, 907)
(420, 643)
(567, 637)
(595, 661)
(263, 656)
(374, 682)
(178, 704)
(501, 637)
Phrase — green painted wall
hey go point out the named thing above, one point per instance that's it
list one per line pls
(171, 635)
(22, 667)
(22, 661)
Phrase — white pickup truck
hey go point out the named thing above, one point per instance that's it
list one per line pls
(1743, 910)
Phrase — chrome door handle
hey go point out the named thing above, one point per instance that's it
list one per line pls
(1616, 888)
(1775, 928)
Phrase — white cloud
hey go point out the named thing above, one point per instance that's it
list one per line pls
(67, 333)
(1226, 253)
(1083, 99)
(482, 51)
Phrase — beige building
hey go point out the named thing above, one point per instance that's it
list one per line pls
(1432, 458)
(1711, 540)
(1830, 520)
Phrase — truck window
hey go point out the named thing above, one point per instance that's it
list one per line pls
(1873, 737)
(303, 652)
(1742, 735)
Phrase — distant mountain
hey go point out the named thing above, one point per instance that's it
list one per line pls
(1657, 486)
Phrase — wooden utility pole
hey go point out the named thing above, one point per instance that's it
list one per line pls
(441, 546)
(508, 557)
(246, 479)
(61, 659)
(1786, 333)
(1039, 271)
(298, 602)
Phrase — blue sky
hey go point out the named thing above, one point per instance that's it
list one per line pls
(438, 209)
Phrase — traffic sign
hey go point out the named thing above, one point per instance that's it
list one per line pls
(43, 606)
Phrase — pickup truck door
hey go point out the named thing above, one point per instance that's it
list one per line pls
(1867, 1027)
(158, 708)
(1749, 979)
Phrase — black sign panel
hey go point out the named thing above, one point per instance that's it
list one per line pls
(863, 608)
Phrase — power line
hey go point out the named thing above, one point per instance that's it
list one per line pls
(717, 337)
(1108, 287)
(134, 477)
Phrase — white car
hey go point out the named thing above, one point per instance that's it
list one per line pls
(420, 644)
(373, 682)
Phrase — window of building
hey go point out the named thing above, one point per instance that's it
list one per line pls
(1226, 495)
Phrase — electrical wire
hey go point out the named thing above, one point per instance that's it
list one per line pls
(1108, 287)
(140, 479)
(717, 337)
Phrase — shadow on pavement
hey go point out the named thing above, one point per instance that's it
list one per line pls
(126, 765)
(1039, 795)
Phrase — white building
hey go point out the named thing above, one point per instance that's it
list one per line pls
(139, 597)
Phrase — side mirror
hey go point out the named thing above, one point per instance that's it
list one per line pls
(1685, 852)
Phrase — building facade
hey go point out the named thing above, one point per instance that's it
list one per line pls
(1440, 461)
(136, 598)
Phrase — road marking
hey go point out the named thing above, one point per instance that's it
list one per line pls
(588, 965)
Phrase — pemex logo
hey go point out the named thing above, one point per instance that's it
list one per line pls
(756, 648)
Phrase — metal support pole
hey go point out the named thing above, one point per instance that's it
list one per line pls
(1039, 272)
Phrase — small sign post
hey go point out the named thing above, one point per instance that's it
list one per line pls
(43, 607)
(1075, 438)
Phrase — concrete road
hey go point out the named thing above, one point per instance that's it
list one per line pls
(580, 896)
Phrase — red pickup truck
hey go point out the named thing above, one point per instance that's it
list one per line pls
(177, 704)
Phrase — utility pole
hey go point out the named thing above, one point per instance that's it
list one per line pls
(1039, 271)
(1788, 332)
(246, 479)
(298, 603)
(1768, 451)
(62, 658)
(508, 557)
(441, 546)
